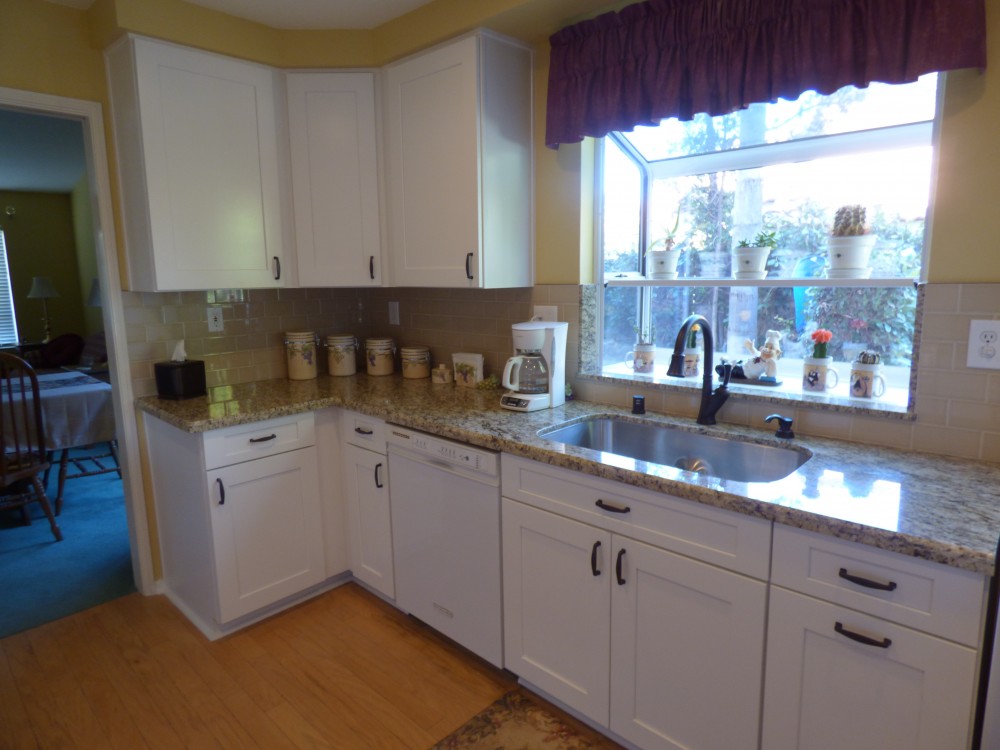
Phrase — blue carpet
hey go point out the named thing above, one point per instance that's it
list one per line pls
(41, 579)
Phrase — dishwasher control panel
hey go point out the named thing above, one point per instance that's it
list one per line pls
(477, 460)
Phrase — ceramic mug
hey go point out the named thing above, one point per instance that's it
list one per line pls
(866, 381)
(818, 374)
(641, 360)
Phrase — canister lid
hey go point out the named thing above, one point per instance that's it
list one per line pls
(300, 335)
(341, 339)
(414, 351)
(379, 344)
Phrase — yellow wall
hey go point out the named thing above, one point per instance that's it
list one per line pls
(41, 242)
(52, 49)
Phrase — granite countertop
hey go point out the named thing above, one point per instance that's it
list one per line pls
(942, 509)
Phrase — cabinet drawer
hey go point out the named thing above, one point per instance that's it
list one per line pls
(927, 596)
(244, 442)
(720, 537)
(363, 431)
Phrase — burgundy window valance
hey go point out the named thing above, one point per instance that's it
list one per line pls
(677, 58)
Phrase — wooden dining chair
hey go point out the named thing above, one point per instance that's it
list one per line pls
(23, 458)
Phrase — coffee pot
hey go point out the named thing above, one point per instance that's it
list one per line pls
(536, 375)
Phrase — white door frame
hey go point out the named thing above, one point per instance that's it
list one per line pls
(88, 113)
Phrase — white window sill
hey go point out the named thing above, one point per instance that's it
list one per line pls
(893, 403)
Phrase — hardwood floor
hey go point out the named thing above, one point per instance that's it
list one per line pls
(343, 671)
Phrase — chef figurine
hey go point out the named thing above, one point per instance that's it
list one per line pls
(764, 364)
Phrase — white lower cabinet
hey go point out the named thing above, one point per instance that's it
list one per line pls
(239, 517)
(664, 650)
(686, 651)
(557, 613)
(868, 649)
(266, 530)
(366, 495)
(896, 688)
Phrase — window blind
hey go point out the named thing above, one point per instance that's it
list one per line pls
(8, 321)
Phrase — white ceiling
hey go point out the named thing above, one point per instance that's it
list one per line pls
(303, 14)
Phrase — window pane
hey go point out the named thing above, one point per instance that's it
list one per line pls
(848, 110)
(797, 201)
(622, 196)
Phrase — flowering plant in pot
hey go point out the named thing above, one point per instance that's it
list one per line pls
(750, 257)
(850, 244)
(817, 371)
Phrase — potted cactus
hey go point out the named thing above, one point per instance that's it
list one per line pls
(750, 257)
(850, 244)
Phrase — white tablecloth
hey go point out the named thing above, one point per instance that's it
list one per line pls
(76, 409)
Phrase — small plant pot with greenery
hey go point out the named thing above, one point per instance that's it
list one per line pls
(750, 257)
(663, 254)
(850, 245)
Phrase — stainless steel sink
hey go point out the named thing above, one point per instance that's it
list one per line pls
(726, 458)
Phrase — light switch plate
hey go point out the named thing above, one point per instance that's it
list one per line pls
(215, 324)
(984, 344)
(548, 313)
(394, 313)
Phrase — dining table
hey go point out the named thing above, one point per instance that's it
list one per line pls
(77, 410)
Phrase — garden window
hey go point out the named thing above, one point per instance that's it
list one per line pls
(779, 172)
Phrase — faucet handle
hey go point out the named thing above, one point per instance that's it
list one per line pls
(784, 426)
(727, 372)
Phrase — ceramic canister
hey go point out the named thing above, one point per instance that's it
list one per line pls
(379, 354)
(300, 350)
(416, 361)
(341, 354)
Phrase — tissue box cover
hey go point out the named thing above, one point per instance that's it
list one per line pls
(180, 379)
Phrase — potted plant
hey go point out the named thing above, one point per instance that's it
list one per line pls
(643, 353)
(750, 258)
(850, 244)
(817, 370)
(662, 254)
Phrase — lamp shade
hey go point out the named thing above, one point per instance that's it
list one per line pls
(94, 298)
(42, 288)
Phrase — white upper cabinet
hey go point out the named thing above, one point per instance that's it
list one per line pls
(199, 168)
(332, 128)
(459, 165)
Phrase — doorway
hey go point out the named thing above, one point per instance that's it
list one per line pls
(88, 114)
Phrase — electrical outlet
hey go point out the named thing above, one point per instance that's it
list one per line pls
(215, 320)
(984, 348)
(394, 313)
(548, 313)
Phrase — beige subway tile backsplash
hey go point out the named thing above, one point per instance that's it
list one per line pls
(957, 409)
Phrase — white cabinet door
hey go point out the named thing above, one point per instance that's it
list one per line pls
(197, 142)
(459, 165)
(369, 524)
(333, 137)
(902, 690)
(687, 651)
(267, 530)
(556, 610)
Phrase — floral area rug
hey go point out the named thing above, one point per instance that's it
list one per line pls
(516, 722)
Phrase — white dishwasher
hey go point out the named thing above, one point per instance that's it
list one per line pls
(445, 507)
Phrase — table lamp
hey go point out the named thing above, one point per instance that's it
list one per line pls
(43, 289)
